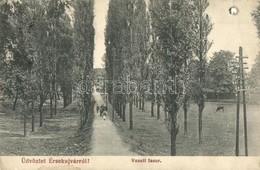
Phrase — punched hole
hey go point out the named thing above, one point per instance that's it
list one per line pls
(233, 10)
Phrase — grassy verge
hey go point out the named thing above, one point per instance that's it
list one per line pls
(143, 139)
(151, 137)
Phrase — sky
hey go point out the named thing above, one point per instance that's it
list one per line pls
(229, 31)
(101, 8)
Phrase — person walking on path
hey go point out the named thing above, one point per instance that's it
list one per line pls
(106, 141)
(97, 108)
(101, 111)
(104, 114)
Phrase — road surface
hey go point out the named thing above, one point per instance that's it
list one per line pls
(106, 140)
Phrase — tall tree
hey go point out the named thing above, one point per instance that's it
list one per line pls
(117, 51)
(220, 72)
(256, 17)
(126, 49)
(201, 48)
(37, 50)
(140, 45)
(42, 38)
(58, 24)
(84, 48)
(174, 24)
(254, 75)
(16, 62)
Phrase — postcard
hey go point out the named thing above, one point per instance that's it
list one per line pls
(129, 84)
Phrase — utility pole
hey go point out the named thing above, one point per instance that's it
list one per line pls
(241, 78)
(238, 105)
(244, 101)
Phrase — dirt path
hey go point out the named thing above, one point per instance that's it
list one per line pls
(106, 140)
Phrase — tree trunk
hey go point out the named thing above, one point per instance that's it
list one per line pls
(120, 109)
(165, 114)
(54, 90)
(131, 113)
(70, 95)
(174, 128)
(51, 113)
(201, 107)
(86, 106)
(124, 108)
(55, 104)
(152, 108)
(152, 99)
(58, 95)
(116, 106)
(64, 100)
(15, 100)
(158, 110)
(140, 101)
(33, 116)
(136, 100)
(173, 142)
(113, 109)
(24, 124)
(185, 109)
(41, 111)
(143, 102)
(81, 110)
(66, 97)
(106, 96)
(200, 125)
(110, 98)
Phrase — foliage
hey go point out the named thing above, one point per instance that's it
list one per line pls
(255, 72)
(39, 52)
(16, 62)
(220, 72)
(256, 17)
(254, 75)
(83, 50)
(173, 31)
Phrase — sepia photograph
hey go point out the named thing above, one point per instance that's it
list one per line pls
(142, 82)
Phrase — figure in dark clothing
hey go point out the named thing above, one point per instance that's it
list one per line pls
(104, 114)
(102, 109)
(97, 108)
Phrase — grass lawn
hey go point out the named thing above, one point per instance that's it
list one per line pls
(151, 137)
(58, 136)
